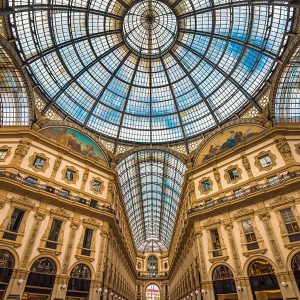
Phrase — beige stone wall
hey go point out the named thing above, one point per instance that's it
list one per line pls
(221, 209)
(112, 256)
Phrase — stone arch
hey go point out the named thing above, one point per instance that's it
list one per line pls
(215, 265)
(253, 258)
(50, 256)
(88, 264)
(14, 253)
(154, 283)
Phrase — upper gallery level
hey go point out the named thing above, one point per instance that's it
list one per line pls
(239, 164)
(61, 165)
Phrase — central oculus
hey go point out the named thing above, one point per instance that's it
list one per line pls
(150, 28)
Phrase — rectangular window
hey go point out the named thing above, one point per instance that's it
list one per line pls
(250, 235)
(53, 234)
(205, 185)
(87, 242)
(70, 174)
(273, 180)
(3, 153)
(265, 161)
(291, 224)
(39, 162)
(233, 174)
(14, 224)
(216, 245)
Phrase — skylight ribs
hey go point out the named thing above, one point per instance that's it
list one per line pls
(161, 177)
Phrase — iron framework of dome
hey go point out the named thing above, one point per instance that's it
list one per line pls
(150, 71)
(151, 181)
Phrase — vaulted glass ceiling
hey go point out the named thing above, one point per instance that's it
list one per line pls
(151, 182)
(150, 71)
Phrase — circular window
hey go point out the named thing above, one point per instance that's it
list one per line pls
(150, 28)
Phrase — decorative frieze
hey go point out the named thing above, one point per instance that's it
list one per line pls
(235, 255)
(39, 217)
(67, 258)
(20, 152)
(265, 218)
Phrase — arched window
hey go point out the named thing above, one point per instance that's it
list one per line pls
(152, 292)
(7, 263)
(287, 99)
(41, 278)
(263, 279)
(79, 282)
(14, 104)
(296, 268)
(223, 281)
(152, 265)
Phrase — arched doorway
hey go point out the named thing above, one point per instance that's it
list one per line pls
(152, 292)
(152, 265)
(79, 283)
(296, 268)
(224, 284)
(263, 281)
(7, 264)
(41, 279)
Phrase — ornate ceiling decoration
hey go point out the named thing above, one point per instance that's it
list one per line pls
(150, 71)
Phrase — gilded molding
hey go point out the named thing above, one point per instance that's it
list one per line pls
(262, 154)
(217, 177)
(67, 258)
(235, 254)
(227, 177)
(284, 148)
(8, 152)
(200, 186)
(246, 165)
(56, 166)
(20, 152)
(265, 218)
(64, 173)
(39, 217)
(297, 148)
(33, 157)
(101, 182)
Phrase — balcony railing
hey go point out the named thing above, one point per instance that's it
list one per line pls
(245, 192)
(153, 274)
(54, 191)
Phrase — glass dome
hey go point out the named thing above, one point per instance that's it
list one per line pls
(150, 71)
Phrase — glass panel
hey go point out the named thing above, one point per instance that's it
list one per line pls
(265, 161)
(289, 220)
(151, 183)
(150, 75)
(87, 240)
(15, 220)
(39, 162)
(54, 231)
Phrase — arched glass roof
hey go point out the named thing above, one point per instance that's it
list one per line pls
(151, 182)
(287, 99)
(150, 71)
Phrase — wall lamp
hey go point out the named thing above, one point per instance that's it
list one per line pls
(98, 291)
(63, 287)
(239, 288)
(203, 291)
(20, 281)
(284, 284)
